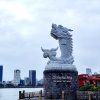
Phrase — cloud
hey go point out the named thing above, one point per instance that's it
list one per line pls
(19, 11)
(25, 26)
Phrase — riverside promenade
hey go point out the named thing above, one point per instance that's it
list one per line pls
(35, 95)
(81, 95)
(31, 95)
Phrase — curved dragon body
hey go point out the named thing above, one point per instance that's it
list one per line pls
(61, 34)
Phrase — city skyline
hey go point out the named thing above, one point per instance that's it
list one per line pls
(25, 26)
(17, 76)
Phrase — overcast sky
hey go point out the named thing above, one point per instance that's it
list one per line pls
(25, 26)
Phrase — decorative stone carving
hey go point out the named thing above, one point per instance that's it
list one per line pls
(60, 75)
(64, 38)
(65, 42)
(51, 54)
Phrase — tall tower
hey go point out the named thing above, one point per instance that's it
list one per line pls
(1, 73)
(16, 76)
(32, 77)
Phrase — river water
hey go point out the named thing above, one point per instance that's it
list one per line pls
(13, 93)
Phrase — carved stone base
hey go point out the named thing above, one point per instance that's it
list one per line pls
(56, 81)
(59, 66)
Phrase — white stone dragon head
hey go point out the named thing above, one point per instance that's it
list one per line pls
(60, 31)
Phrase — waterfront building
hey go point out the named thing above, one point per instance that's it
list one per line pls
(39, 83)
(32, 77)
(89, 71)
(17, 77)
(1, 73)
(26, 81)
(22, 82)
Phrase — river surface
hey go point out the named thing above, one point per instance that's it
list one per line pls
(13, 93)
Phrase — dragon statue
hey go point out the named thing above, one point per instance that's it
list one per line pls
(62, 34)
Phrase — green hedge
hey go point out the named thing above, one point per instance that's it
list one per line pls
(89, 88)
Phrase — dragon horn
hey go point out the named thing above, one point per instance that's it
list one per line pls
(55, 49)
(42, 49)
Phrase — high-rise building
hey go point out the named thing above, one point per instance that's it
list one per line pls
(1, 73)
(88, 71)
(32, 77)
(27, 81)
(22, 82)
(17, 77)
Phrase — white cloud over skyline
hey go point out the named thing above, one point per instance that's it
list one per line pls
(25, 26)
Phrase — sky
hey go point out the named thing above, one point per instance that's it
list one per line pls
(25, 26)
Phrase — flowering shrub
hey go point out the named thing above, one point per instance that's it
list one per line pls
(89, 88)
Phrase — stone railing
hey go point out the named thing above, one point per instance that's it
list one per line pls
(88, 95)
(81, 95)
(30, 95)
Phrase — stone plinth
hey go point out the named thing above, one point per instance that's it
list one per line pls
(56, 81)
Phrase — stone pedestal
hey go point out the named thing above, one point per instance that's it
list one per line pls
(56, 81)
